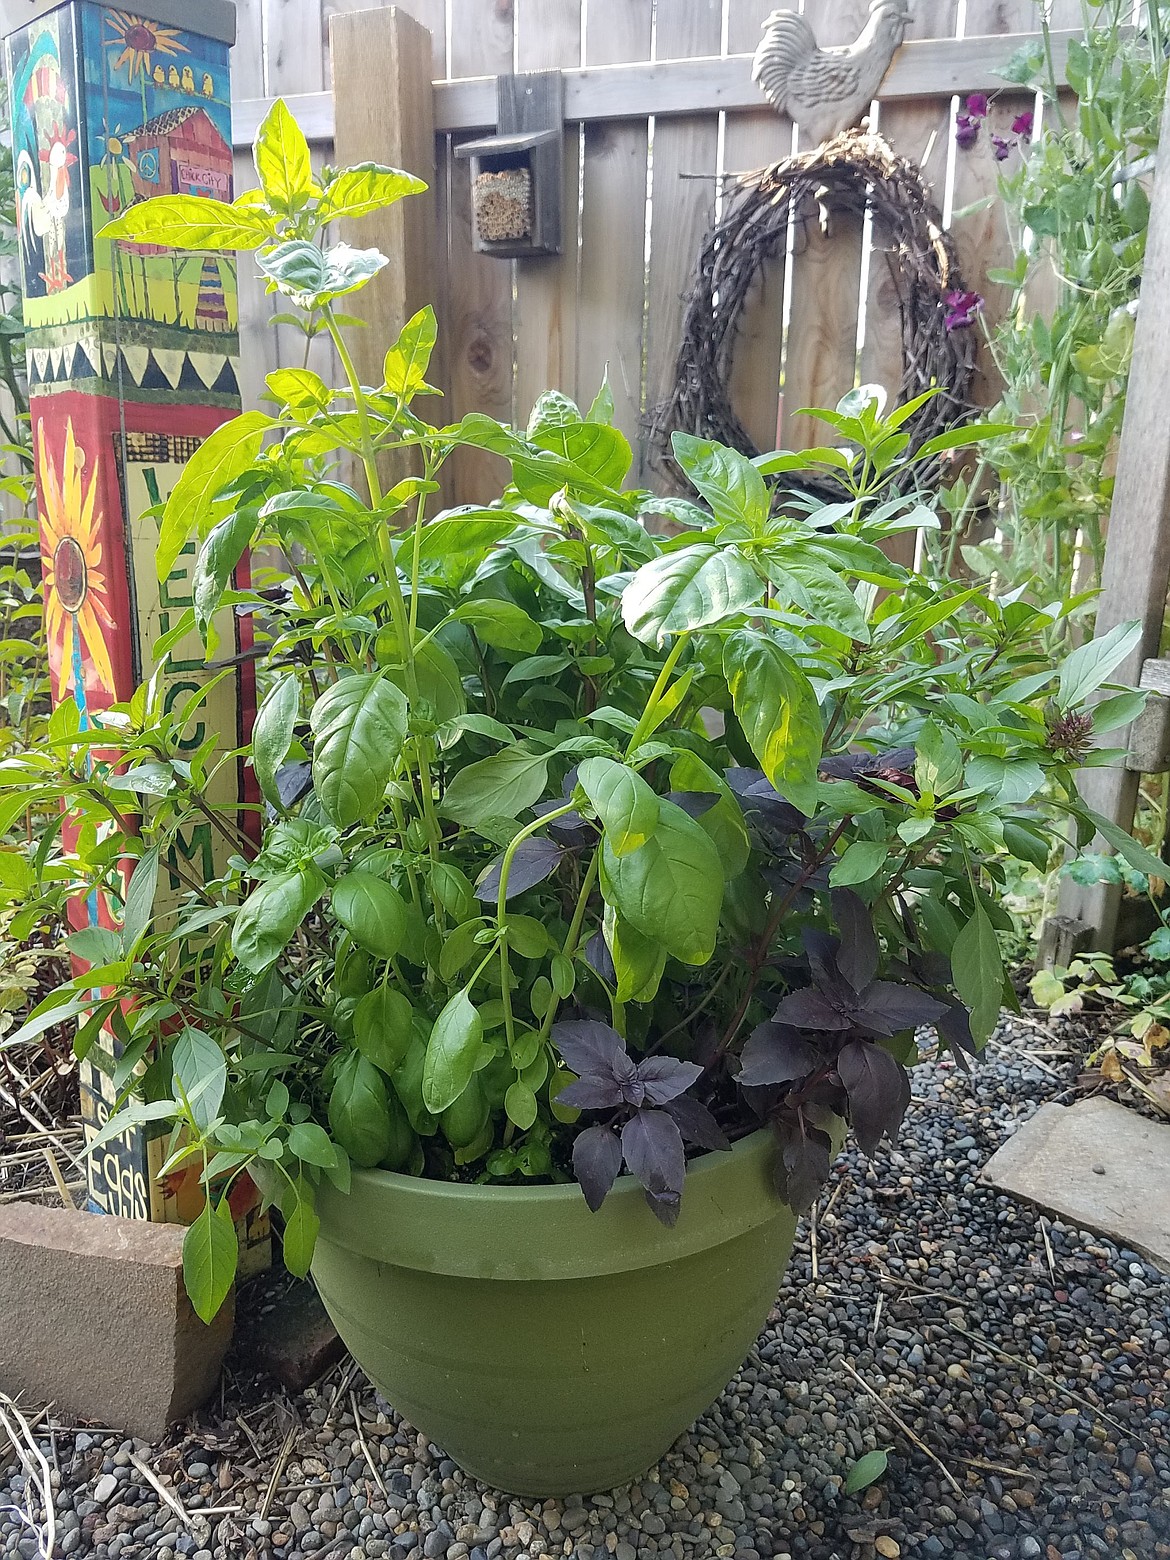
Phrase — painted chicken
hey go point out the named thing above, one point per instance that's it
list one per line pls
(825, 90)
(43, 206)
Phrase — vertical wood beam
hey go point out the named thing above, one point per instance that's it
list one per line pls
(1136, 575)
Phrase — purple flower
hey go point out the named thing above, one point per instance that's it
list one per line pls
(1022, 125)
(977, 105)
(962, 308)
(1001, 148)
(966, 131)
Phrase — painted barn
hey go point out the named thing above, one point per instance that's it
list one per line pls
(180, 152)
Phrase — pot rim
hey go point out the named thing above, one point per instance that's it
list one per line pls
(548, 1232)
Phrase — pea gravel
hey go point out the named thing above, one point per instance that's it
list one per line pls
(1028, 1364)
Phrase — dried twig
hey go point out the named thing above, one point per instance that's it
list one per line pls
(278, 1469)
(364, 1444)
(36, 1468)
(905, 1428)
(167, 1496)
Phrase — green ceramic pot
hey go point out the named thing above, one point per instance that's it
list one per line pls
(547, 1349)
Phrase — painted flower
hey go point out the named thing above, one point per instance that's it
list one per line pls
(962, 309)
(77, 613)
(977, 105)
(1022, 125)
(966, 132)
(140, 39)
(1001, 149)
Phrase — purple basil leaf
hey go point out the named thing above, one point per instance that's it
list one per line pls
(697, 1124)
(588, 1046)
(899, 1006)
(757, 794)
(693, 803)
(857, 958)
(570, 828)
(600, 960)
(878, 1091)
(822, 957)
(741, 780)
(597, 1158)
(954, 1027)
(294, 781)
(775, 1053)
(592, 1092)
(803, 1164)
(811, 1009)
(665, 1078)
(653, 1147)
(665, 1207)
(533, 861)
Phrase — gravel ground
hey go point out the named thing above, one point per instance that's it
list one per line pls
(1016, 1371)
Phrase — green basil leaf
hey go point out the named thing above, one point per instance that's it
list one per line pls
(210, 1255)
(778, 710)
(214, 567)
(220, 459)
(312, 277)
(1141, 859)
(199, 1070)
(408, 359)
(692, 588)
(502, 786)
(140, 892)
(271, 914)
(372, 911)
(733, 487)
(190, 222)
(520, 1105)
(627, 806)
(359, 1113)
(364, 188)
(452, 1052)
(281, 155)
(301, 1225)
(1090, 664)
(859, 862)
(977, 970)
(382, 1027)
(359, 724)
(638, 961)
(500, 623)
(310, 1142)
(272, 733)
(671, 888)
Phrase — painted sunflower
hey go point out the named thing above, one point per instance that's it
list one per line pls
(77, 613)
(139, 40)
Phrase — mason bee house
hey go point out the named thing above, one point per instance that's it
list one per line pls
(516, 173)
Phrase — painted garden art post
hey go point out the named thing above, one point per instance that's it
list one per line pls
(132, 353)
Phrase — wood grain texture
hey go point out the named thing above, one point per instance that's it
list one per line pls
(292, 32)
(820, 363)
(257, 342)
(1136, 574)
(751, 140)
(477, 319)
(381, 68)
(682, 207)
(612, 289)
(548, 37)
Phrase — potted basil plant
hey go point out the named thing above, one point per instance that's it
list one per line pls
(615, 849)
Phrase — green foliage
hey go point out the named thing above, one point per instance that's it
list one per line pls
(532, 762)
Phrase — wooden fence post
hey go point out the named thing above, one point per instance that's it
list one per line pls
(1136, 573)
(384, 108)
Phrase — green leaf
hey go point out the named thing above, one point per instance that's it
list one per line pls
(977, 969)
(210, 1255)
(199, 1070)
(859, 862)
(520, 1105)
(219, 460)
(140, 893)
(214, 567)
(281, 155)
(723, 821)
(359, 724)
(310, 1142)
(190, 222)
(382, 1024)
(359, 1111)
(272, 733)
(1141, 859)
(372, 911)
(778, 710)
(1119, 710)
(1090, 664)
(500, 623)
(692, 588)
(94, 944)
(733, 487)
(312, 277)
(627, 806)
(866, 1471)
(271, 914)
(452, 1052)
(601, 409)
(301, 1225)
(938, 760)
(671, 888)
(638, 961)
(408, 359)
(300, 389)
(366, 187)
(502, 786)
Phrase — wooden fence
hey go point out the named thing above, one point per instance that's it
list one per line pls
(660, 110)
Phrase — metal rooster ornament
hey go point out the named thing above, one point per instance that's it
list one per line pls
(826, 90)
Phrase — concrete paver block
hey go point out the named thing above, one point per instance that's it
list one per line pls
(95, 1319)
(1096, 1165)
